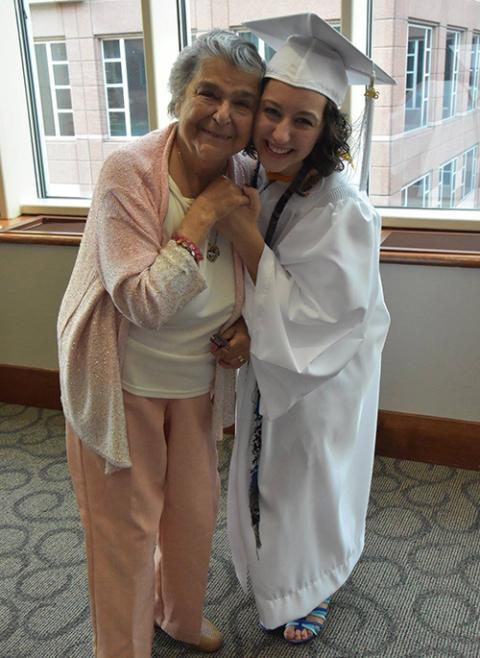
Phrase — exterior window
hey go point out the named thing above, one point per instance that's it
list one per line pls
(266, 51)
(446, 184)
(450, 82)
(418, 76)
(103, 101)
(417, 194)
(125, 87)
(474, 73)
(469, 171)
(54, 88)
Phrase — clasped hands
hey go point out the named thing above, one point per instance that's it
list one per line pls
(232, 208)
(241, 219)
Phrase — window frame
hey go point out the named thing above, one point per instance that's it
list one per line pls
(122, 85)
(426, 75)
(474, 72)
(453, 183)
(426, 192)
(474, 151)
(18, 183)
(53, 89)
(261, 46)
(452, 105)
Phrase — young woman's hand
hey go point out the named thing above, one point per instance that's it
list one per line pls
(242, 219)
(241, 228)
(218, 200)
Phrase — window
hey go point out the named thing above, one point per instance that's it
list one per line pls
(54, 88)
(469, 171)
(450, 80)
(474, 74)
(417, 76)
(266, 51)
(417, 194)
(90, 92)
(411, 142)
(446, 184)
(125, 87)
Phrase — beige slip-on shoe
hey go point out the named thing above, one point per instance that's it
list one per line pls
(211, 639)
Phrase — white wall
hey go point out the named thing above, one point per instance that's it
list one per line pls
(34, 278)
(431, 362)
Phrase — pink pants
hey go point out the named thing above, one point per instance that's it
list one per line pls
(148, 529)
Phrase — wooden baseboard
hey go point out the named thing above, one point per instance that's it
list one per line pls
(434, 440)
(428, 439)
(35, 387)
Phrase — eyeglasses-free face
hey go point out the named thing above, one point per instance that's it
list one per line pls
(215, 116)
(288, 124)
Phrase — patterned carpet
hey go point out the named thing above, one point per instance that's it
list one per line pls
(414, 594)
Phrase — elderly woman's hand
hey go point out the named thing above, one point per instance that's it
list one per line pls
(217, 201)
(236, 349)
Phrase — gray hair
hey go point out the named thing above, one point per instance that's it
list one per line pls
(217, 43)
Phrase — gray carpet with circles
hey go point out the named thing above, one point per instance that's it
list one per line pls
(414, 594)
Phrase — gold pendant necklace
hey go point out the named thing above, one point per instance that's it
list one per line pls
(213, 252)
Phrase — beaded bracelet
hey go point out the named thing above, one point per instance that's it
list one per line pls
(189, 245)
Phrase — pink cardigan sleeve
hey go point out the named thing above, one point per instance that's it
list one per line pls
(148, 283)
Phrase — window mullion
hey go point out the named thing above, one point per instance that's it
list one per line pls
(474, 167)
(427, 60)
(476, 74)
(126, 97)
(53, 94)
(416, 44)
(455, 73)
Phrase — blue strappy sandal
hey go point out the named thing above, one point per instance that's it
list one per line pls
(313, 627)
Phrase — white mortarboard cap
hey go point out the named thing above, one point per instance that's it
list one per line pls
(311, 54)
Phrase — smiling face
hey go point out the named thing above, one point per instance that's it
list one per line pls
(289, 122)
(216, 113)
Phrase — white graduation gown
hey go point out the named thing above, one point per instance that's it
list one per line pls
(318, 322)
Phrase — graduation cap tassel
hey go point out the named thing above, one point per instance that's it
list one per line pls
(371, 94)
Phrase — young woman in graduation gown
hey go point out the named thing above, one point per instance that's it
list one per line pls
(307, 400)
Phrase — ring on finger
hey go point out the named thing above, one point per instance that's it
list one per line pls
(241, 358)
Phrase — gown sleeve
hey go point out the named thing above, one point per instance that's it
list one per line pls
(308, 312)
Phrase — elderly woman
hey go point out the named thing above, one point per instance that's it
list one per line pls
(142, 396)
(307, 404)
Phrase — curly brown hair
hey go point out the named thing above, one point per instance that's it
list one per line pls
(331, 150)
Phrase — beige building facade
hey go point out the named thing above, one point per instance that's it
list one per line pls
(426, 131)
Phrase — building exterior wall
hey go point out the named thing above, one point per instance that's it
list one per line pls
(74, 163)
(409, 155)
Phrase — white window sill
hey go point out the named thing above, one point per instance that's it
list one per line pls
(51, 206)
(445, 219)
